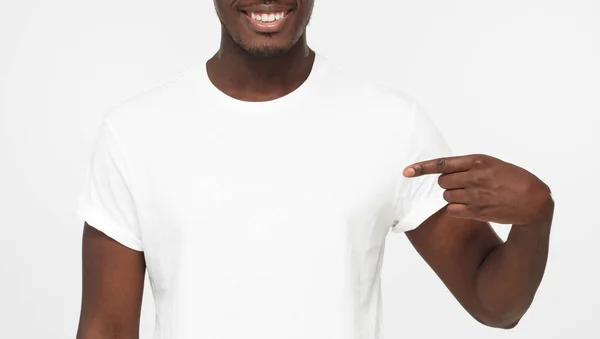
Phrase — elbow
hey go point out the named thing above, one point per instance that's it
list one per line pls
(500, 310)
(499, 319)
(510, 325)
(501, 315)
(502, 323)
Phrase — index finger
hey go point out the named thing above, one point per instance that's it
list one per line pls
(440, 165)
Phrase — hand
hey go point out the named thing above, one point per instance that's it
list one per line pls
(485, 188)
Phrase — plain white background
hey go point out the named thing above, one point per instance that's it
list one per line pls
(516, 79)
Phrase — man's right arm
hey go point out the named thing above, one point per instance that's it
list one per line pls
(112, 288)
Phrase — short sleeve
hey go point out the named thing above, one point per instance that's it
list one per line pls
(106, 201)
(420, 197)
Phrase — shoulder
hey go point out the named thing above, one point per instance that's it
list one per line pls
(360, 87)
(152, 103)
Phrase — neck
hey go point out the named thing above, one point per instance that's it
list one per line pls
(243, 76)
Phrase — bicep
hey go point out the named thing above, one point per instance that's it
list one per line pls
(455, 248)
(112, 287)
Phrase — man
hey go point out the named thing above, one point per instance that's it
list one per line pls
(257, 190)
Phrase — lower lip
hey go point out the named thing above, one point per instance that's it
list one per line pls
(266, 27)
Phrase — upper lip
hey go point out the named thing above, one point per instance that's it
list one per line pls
(266, 9)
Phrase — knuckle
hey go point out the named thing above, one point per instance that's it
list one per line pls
(479, 179)
(441, 164)
(477, 195)
(475, 209)
(484, 196)
(480, 159)
(479, 164)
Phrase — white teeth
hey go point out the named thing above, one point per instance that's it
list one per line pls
(270, 17)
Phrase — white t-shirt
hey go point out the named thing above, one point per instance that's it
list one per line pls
(263, 219)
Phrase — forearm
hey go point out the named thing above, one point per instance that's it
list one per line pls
(508, 278)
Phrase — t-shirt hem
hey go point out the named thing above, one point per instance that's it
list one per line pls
(421, 212)
(106, 225)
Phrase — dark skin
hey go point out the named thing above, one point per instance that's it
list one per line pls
(254, 66)
(113, 283)
(494, 281)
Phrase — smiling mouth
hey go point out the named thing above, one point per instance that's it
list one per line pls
(266, 21)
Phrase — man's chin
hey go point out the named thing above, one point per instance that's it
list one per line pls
(267, 52)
